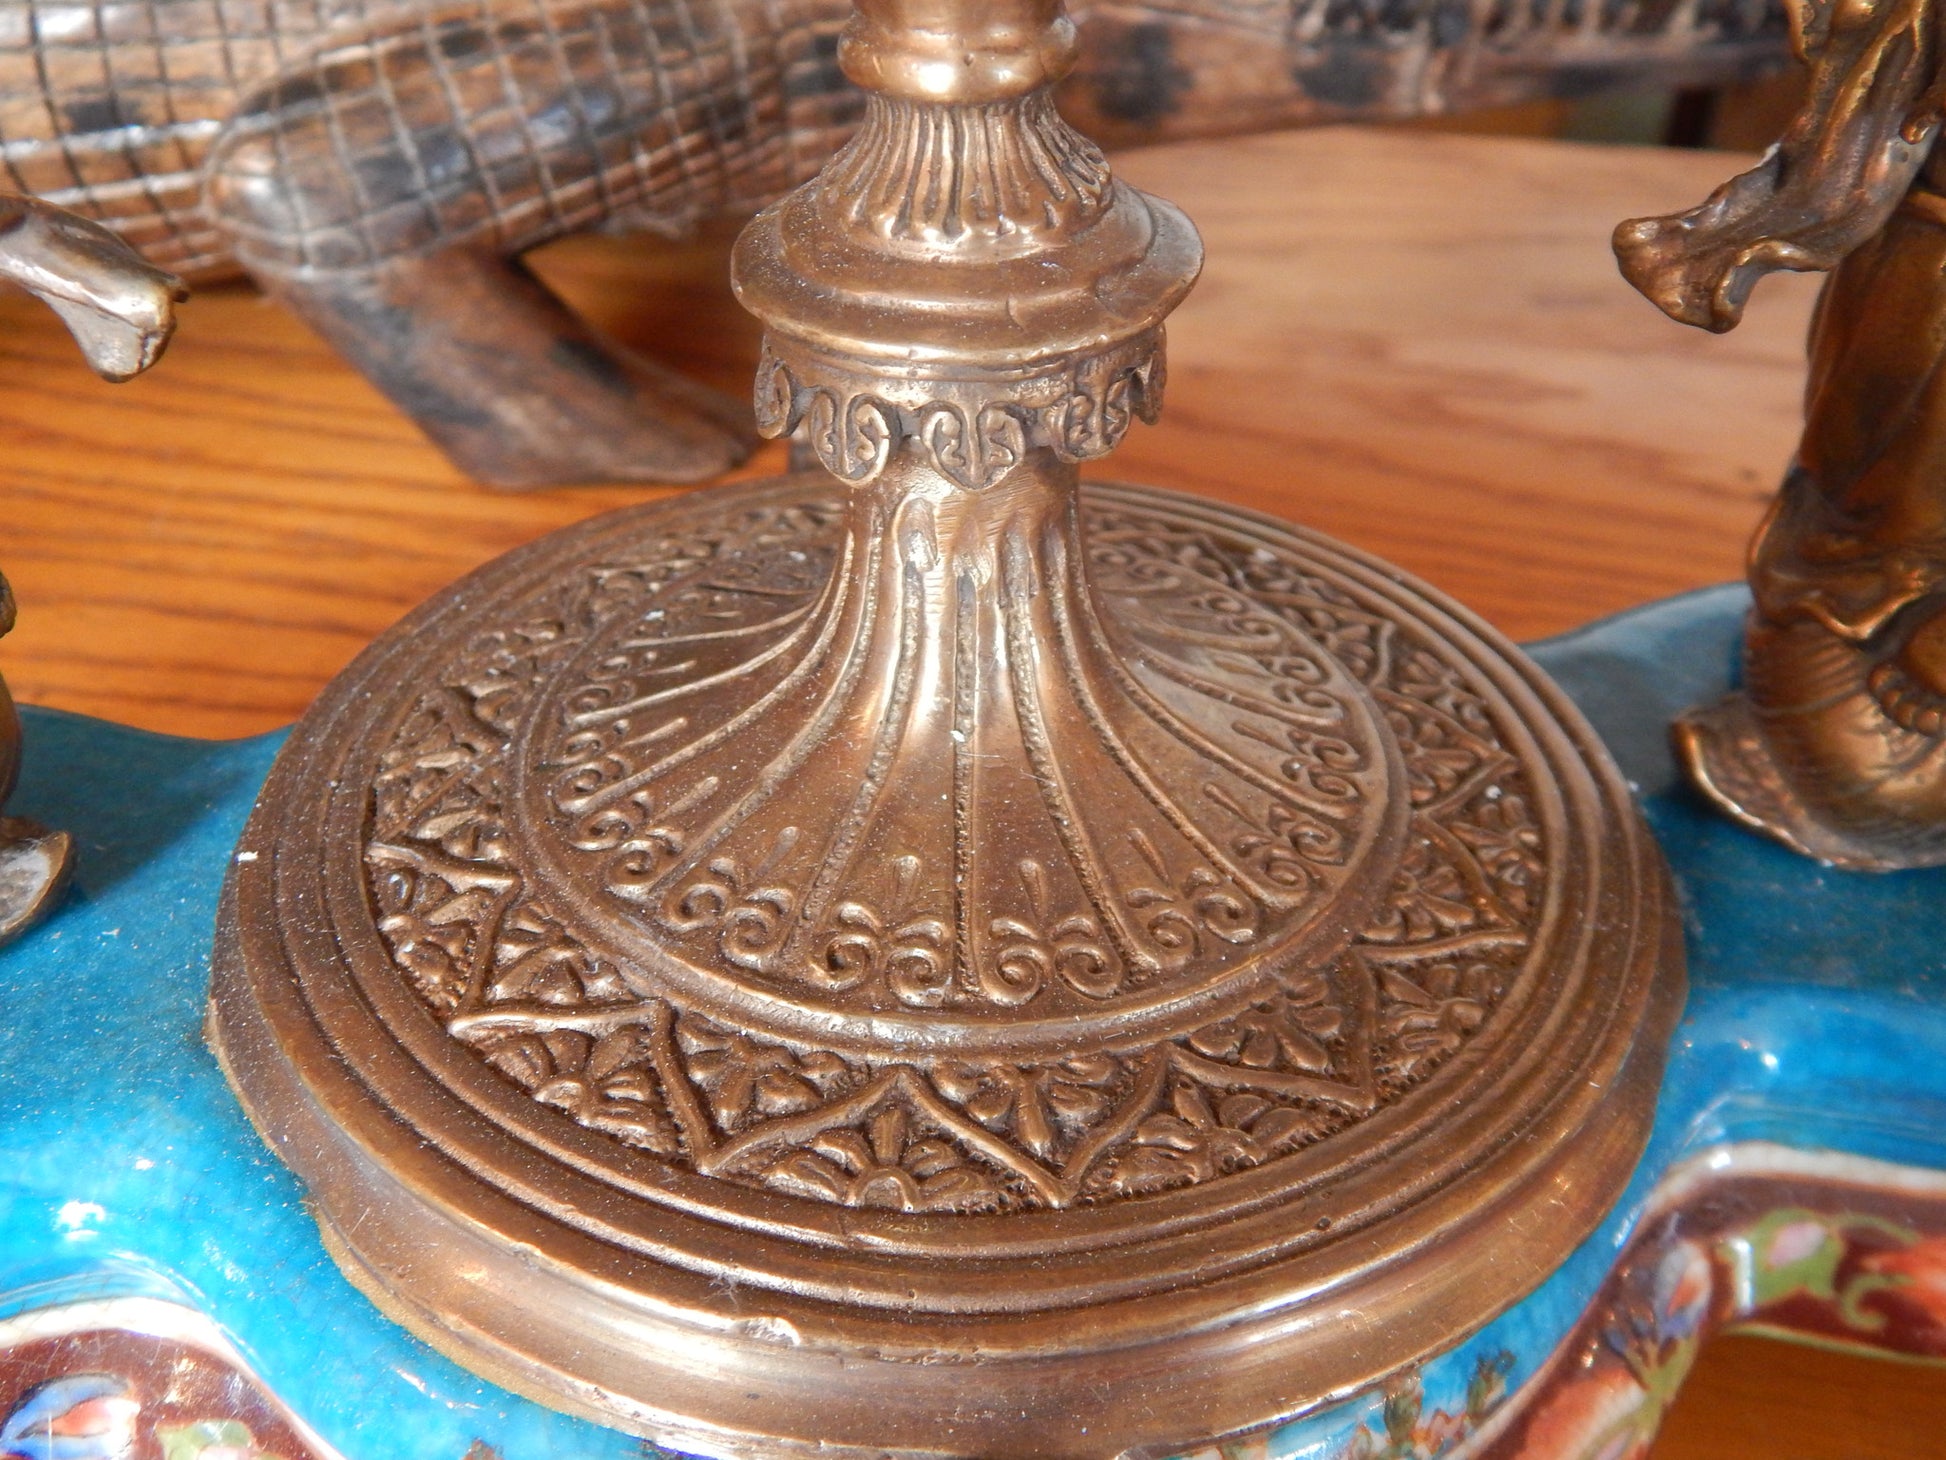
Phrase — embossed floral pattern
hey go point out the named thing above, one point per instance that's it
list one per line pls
(603, 1082)
(747, 1081)
(1501, 832)
(887, 1164)
(1428, 899)
(1202, 1136)
(1290, 1029)
(1037, 1104)
(1423, 1020)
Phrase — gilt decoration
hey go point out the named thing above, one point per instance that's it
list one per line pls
(625, 786)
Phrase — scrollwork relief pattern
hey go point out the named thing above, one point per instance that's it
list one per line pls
(1312, 1052)
(973, 432)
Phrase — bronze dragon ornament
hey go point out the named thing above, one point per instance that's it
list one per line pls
(1836, 744)
(120, 311)
(382, 165)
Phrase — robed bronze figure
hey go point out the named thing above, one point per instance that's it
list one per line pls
(33, 860)
(1836, 744)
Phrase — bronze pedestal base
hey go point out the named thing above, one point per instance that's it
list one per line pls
(780, 1001)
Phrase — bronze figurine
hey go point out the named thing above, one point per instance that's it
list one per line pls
(1836, 744)
(923, 957)
(381, 168)
(120, 311)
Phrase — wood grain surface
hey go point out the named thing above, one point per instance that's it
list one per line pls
(1415, 342)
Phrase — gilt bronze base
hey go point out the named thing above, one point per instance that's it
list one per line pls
(686, 1011)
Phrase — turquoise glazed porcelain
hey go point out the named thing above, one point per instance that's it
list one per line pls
(163, 1291)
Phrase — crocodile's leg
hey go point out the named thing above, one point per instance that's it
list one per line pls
(514, 387)
(386, 185)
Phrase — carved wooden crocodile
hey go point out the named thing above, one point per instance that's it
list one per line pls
(381, 165)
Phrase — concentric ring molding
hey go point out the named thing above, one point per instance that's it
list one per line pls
(876, 1252)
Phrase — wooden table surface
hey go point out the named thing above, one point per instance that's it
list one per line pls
(1416, 342)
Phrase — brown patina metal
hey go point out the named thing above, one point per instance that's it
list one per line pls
(924, 957)
(1836, 744)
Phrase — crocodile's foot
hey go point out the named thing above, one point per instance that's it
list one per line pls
(34, 865)
(120, 309)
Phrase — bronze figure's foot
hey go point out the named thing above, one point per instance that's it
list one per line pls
(34, 865)
(1835, 749)
(1910, 685)
(1723, 751)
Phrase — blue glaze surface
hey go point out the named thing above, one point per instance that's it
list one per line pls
(1817, 1004)
(127, 1167)
(1817, 1018)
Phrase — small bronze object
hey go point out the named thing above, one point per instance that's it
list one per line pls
(921, 957)
(120, 311)
(1836, 744)
(381, 168)
(34, 861)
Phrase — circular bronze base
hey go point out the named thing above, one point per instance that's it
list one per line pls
(1172, 1004)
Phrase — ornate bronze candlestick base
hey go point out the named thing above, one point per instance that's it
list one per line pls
(925, 958)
